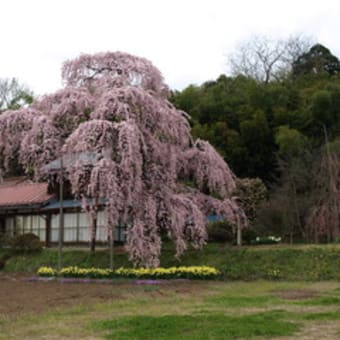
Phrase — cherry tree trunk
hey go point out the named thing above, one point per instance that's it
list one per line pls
(93, 234)
(239, 235)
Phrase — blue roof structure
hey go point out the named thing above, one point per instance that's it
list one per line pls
(55, 205)
(215, 218)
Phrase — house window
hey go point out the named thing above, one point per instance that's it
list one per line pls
(55, 228)
(10, 225)
(77, 228)
(83, 227)
(24, 224)
(38, 226)
(101, 227)
(70, 227)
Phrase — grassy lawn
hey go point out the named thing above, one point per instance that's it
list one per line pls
(279, 262)
(267, 292)
(193, 310)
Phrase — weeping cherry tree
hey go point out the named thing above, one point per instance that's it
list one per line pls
(148, 174)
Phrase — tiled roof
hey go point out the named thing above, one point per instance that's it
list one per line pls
(8, 182)
(17, 192)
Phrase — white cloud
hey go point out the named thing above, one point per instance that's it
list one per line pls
(186, 39)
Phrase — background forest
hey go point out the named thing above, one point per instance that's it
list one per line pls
(277, 118)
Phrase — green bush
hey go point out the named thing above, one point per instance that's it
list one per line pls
(5, 241)
(26, 242)
(220, 231)
(248, 235)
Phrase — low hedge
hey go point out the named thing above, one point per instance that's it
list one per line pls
(192, 272)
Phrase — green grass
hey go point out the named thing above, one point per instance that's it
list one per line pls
(282, 262)
(30, 262)
(190, 310)
(245, 301)
(205, 326)
(321, 301)
(326, 316)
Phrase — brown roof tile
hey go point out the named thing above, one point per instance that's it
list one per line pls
(17, 192)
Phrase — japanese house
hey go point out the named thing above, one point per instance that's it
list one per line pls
(27, 207)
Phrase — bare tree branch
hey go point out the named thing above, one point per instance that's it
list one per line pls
(266, 59)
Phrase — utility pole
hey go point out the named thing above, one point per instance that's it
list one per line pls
(61, 213)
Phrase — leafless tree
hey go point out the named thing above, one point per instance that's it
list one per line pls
(264, 58)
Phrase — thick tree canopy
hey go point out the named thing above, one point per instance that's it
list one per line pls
(150, 172)
(317, 60)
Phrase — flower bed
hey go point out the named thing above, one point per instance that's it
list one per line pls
(193, 272)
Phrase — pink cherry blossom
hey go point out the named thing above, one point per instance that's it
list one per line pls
(115, 106)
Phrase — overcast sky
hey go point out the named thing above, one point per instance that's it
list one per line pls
(188, 40)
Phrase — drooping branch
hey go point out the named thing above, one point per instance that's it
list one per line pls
(94, 135)
(158, 116)
(207, 167)
(67, 108)
(33, 152)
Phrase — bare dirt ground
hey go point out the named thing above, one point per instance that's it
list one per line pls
(23, 294)
(19, 295)
(296, 294)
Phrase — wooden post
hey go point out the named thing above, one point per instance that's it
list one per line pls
(48, 230)
(94, 233)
